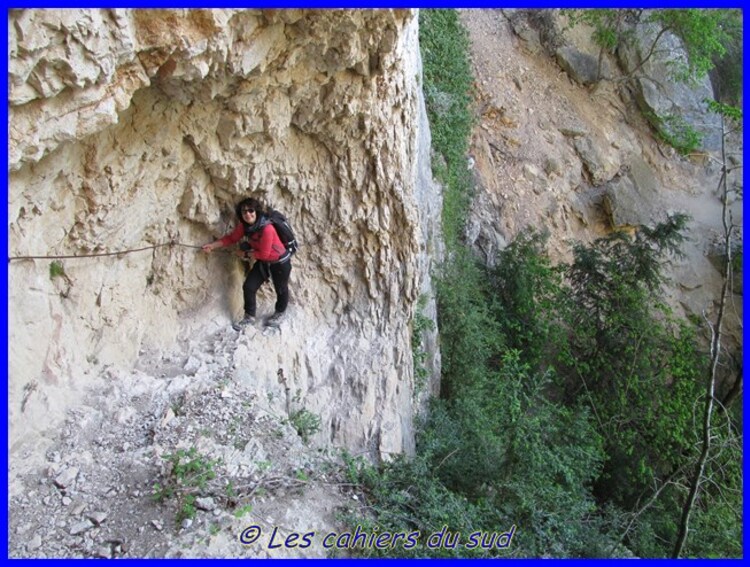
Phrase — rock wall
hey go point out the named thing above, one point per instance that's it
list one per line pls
(550, 153)
(140, 130)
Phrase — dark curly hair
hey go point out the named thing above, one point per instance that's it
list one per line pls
(251, 203)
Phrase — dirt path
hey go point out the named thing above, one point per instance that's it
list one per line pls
(96, 495)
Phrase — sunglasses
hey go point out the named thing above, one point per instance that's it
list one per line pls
(248, 211)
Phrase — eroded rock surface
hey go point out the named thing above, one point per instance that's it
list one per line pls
(138, 130)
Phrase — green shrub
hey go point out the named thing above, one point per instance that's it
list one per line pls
(526, 295)
(567, 392)
(188, 476)
(444, 44)
(505, 445)
(56, 270)
(420, 325)
(676, 132)
(469, 337)
(404, 496)
(305, 422)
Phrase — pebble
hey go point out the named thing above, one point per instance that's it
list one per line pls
(34, 543)
(66, 477)
(20, 530)
(67, 501)
(98, 518)
(206, 504)
(103, 552)
(80, 527)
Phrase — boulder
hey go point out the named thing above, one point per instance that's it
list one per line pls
(671, 102)
(601, 160)
(632, 199)
(582, 67)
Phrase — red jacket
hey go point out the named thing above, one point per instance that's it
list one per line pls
(266, 245)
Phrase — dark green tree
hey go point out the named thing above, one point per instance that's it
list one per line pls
(628, 358)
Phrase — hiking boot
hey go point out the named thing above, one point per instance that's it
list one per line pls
(244, 322)
(275, 320)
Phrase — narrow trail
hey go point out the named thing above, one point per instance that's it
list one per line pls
(95, 495)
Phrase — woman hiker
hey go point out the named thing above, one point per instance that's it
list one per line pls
(261, 242)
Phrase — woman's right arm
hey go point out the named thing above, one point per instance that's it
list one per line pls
(226, 240)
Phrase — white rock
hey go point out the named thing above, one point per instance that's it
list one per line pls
(98, 518)
(177, 168)
(67, 477)
(206, 504)
(80, 527)
(34, 543)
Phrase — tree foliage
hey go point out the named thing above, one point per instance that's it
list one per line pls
(705, 33)
(712, 42)
(569, 407)
(447, 87)
(629, 359)
(568, 401)
(524, 290)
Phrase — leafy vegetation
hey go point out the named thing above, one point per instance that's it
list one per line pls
(420, 325)
(305, 422)
(447, 87)
(705, 34)
(676, 132)
(726, 76)
(189, 473)
(711, 38)
(568, 394)
(56, 270)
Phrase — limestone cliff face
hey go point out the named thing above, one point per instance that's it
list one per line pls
(139, 128)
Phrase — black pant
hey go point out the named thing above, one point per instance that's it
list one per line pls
(260, 273)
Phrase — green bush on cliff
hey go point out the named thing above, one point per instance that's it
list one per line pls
(567, 394)
(444, 44)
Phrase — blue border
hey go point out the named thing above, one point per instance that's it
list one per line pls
(360, 4)
(745, 177)
(379, 4)
(745, 372)
(6, 283)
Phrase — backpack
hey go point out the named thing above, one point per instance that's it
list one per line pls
(283, 229)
